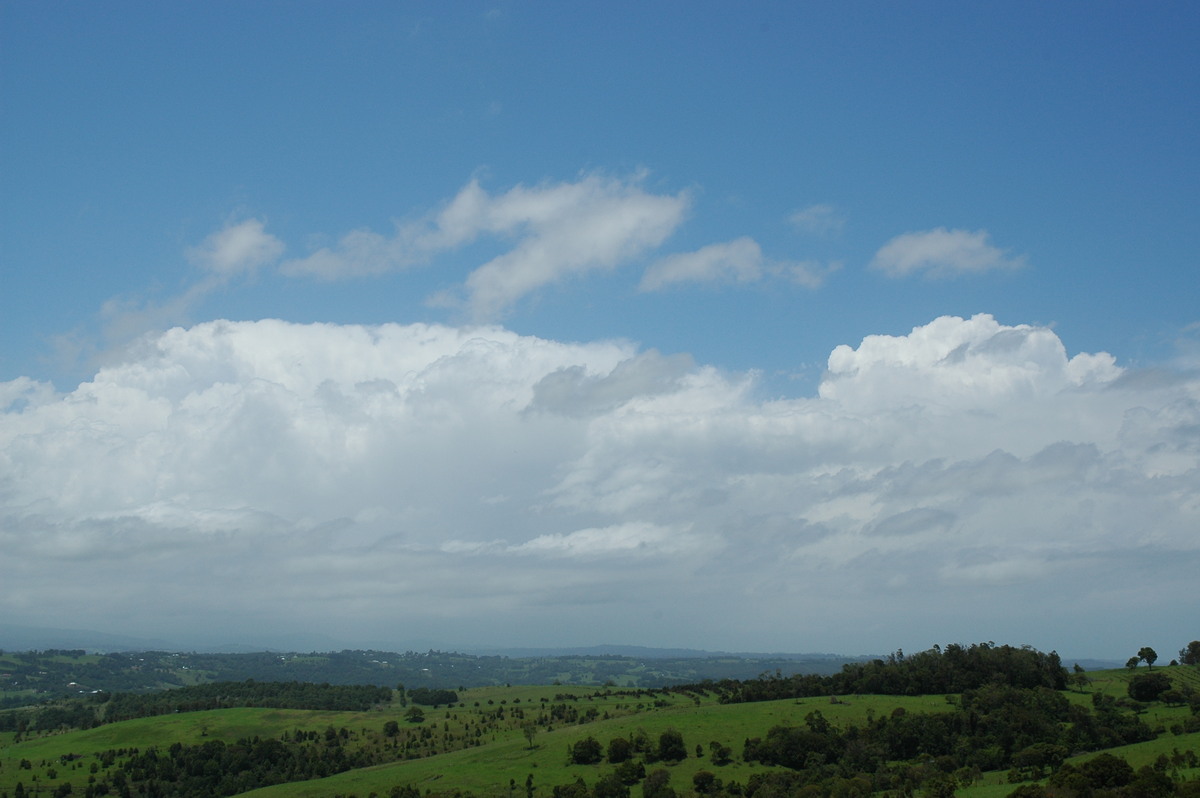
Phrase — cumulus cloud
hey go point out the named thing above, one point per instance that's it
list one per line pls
(820, 220)
(557, 231)
(236, 249)
(737, 261)
(469, 484)
(942, 253)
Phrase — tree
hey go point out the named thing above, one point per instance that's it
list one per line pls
(720, 754)
(414, 715)
(586, 751)
(704, 782)
(939, 785)
(1035, 759)
(630, 772)
(529, 729)
(1107, 771)
(1190, 654)
(1131, 663)
(577, 790)
(1149, 655)
(619, 750)
(671, 747)
(1148, 686)
(657, 785)
(391, 729)
(610, 786)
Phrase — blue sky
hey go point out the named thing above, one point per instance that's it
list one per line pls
(708, 269)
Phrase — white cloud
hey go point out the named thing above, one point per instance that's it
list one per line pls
(633, 538)
(737, 261)
(595, 224)
(237, 248)
(559, 231)
(359, 253)
(942, 253)
(425, 481)
(820, 220)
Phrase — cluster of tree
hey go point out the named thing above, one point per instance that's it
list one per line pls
(954, 669)
(216, 768)
(993, 727)
(56, 673)
(1110, 776)
(95, 709)
(1188, 655)
(432, 697)
(669, 748)
(65, 672)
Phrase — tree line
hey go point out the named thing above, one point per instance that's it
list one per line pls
(96, 709)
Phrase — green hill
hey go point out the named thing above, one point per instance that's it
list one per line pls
(714, 739)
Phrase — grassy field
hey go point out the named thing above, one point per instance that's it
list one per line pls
(493, 756)
(503, 754)
(488, 771)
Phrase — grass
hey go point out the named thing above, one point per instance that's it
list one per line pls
(502, 756)
(190, 728)
(488, 771)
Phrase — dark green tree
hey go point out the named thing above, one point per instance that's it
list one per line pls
(619, 750)
(577, 790)
(586, 751)
(1107, 771)
(939, 785)
(1148, 655)
(720, 754)
(610, 786)
(658, 785)
(630, 772)
(671, 747)
(1079, 678)
(1190, 654)
(705, 782)
(1034, 760)
(529, 728)
(1148, 686)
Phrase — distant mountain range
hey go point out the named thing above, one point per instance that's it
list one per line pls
(645, 652)
(28, 638)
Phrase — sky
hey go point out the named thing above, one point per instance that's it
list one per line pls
(766, 326)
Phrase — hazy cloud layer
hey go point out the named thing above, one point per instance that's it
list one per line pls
(473, 485)
(942, 253)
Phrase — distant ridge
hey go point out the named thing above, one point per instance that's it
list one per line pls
(29, 638)
(648, 652)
